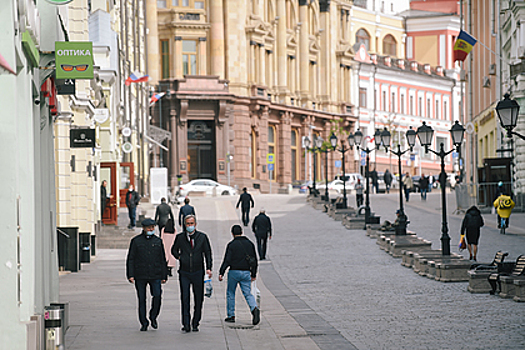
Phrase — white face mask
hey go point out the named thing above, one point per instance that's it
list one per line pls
(150, 233)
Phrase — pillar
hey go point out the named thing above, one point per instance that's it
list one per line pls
(152, 40)
(203, 64)
(217, 38)
(281, 46)
(304, 62)
(177, 57)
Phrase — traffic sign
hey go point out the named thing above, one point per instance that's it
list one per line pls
(455, 154)
(412, 157)
(270, 158)
(337, 163)
(270, 167)
(363, 162)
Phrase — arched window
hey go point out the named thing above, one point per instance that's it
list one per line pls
(252, 152)
(295, 160)
(389, 46)
(271, 149)
(362, 36)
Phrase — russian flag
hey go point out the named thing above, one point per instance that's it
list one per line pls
(155, 98)
(463, 45)
(136, 78)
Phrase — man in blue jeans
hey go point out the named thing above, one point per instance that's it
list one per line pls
(236, 257)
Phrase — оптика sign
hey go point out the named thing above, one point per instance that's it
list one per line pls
(74, 59)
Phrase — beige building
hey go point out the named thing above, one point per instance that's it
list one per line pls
(248, 79)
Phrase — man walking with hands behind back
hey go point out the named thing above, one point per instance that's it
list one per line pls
(243, 271)
(262, 227)
(146, 264)
(245, 200)
(132, 200)
(193, 250)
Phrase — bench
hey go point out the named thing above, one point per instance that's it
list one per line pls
(505, 280)
(479, 273)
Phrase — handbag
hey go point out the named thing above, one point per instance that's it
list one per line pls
(462, 243)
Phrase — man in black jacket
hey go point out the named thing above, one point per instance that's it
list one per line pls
(262, 227)
(192, 248)
(163, 213)
(241, 273)
(146, 264)
(245, 200)
(185, 210)
(132, 200)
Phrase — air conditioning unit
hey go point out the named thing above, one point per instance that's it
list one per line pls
(486, 82)
(492, 69)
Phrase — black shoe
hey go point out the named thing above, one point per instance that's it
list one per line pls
(230, 319)
(195, 328)
(256, 316)
(144, 328)
(154, 324)
(170, 271)
(186, 329)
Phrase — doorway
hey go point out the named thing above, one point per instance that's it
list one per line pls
(108, 172)
(201, 150)
(127, 178)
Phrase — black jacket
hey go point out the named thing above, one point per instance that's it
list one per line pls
(262, 226)
(473, 221)
(423, 182)
(184, 211)
(162, 214)
(245, 199)
(146, 258)
(387, 177)
(132, 199)
(192, 259)
(103, 195)
(235, 256)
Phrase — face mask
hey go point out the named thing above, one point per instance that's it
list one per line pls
(150, 233)
(190, 229)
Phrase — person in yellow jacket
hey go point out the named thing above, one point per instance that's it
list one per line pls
(504, 205)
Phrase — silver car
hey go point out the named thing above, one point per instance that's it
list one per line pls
(210, 187)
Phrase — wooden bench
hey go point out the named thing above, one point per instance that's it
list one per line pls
(479, 273)
(505, 281)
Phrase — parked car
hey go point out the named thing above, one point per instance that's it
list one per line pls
(304, 186)
(351, 179)
(337, 186)
(205, 185)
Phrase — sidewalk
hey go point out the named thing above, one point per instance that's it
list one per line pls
(103, 310)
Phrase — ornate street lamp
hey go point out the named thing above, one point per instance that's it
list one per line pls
(425, 133)
(508, 111)
(343, 150)
(318, 142)
(401, 228)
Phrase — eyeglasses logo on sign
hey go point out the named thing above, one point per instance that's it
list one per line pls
(74, 60)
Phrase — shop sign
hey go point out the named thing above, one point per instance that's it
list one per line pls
(74, 60)
(82, 138)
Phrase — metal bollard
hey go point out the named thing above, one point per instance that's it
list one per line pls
(54, 331)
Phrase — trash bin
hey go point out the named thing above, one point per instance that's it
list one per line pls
(68, 249)
(53, 324)
(84, 247)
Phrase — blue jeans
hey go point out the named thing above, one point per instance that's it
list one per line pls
(424, 193)
(407, 194)
(156, 293)
(132, 213)
(243, 279)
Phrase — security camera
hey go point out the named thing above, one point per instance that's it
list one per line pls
(37, 101)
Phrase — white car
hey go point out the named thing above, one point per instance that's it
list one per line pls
(337, 186)
(351, 180)
(210, 187)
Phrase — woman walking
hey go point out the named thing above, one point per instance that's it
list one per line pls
(472, 223)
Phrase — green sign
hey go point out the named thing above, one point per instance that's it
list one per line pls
(59, 2)
(74, 60)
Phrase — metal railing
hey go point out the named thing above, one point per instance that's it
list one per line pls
(480, 194)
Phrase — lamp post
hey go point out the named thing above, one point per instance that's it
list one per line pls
(425, 134)
(378, 139)
(508, 110)
(343, 149)
(318, 142)
(401, 228)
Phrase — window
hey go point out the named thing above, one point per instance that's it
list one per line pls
(389, 45)
(161, 4)
(199, 5)
(189, 57)
(165, 58)
(384, 101)
(437, 109)
(174, 2)
(393, 103)
(362, 36)
(402, 104)
(185, 2)
(252, 152)
(429, 114)
(441, 140)
(362, 97)
(445, 110)
(271, 149)
(295, 161)
(411, 105)
(420, 107)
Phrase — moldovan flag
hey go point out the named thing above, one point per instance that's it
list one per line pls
(155, 98)
(464, 44)
(136, 78)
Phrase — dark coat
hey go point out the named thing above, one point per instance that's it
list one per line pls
(374, 176)
(387, 177)
(103, 196)
(184, 211)
(162, 214)
(132, 199)
(245, 200)
(192, 259)
(262, 226)
(423, 182)
(473, 221)
(146, 258)
(235, 256)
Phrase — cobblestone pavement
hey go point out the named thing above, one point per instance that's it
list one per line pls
(374, 301)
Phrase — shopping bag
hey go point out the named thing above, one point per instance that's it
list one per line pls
(462, 243)
(256, 293)
(208, 288)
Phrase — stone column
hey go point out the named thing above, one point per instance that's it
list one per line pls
(177, 57)
(304, 50)
(217, 38)
(281, 46)
(152, 42)
(252, 76)
(324, 64)
(203, 64)
(284, 147)
(262, 64)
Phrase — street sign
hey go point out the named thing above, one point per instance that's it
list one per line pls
(412, 157)
(270, 167)
(337, 163)
(455, 154)
(363, 162)
(82, 138)
(270, 158)
(65, 86)
(363, 154)
(158, 134)
(74, 60)
(127, 147)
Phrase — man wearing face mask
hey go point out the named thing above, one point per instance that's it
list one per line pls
(132, 200)
(146, 264)
(193, 250)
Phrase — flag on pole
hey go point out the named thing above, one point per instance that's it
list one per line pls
(155, 98)
(464, 44)
(136, 78)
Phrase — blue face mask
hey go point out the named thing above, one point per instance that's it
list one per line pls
(150, 233)
(190, 229)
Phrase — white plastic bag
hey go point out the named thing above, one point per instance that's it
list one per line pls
(208, 288)
(256, 293)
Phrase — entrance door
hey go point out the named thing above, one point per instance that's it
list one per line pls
(108, 172)
(127, 178)
(201, 150)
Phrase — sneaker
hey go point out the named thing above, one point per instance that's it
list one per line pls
(256, 316)
(230, 319)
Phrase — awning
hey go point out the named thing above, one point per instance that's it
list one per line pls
(4, 66)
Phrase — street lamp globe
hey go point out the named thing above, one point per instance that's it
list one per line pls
(377, 138)
(508, 112)
(319, 142)
(358, 137)
(411, 137)
(351, 140)
(307, 142)
(333, 140)
(385, 137)
(457, 131)
(425, 134)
